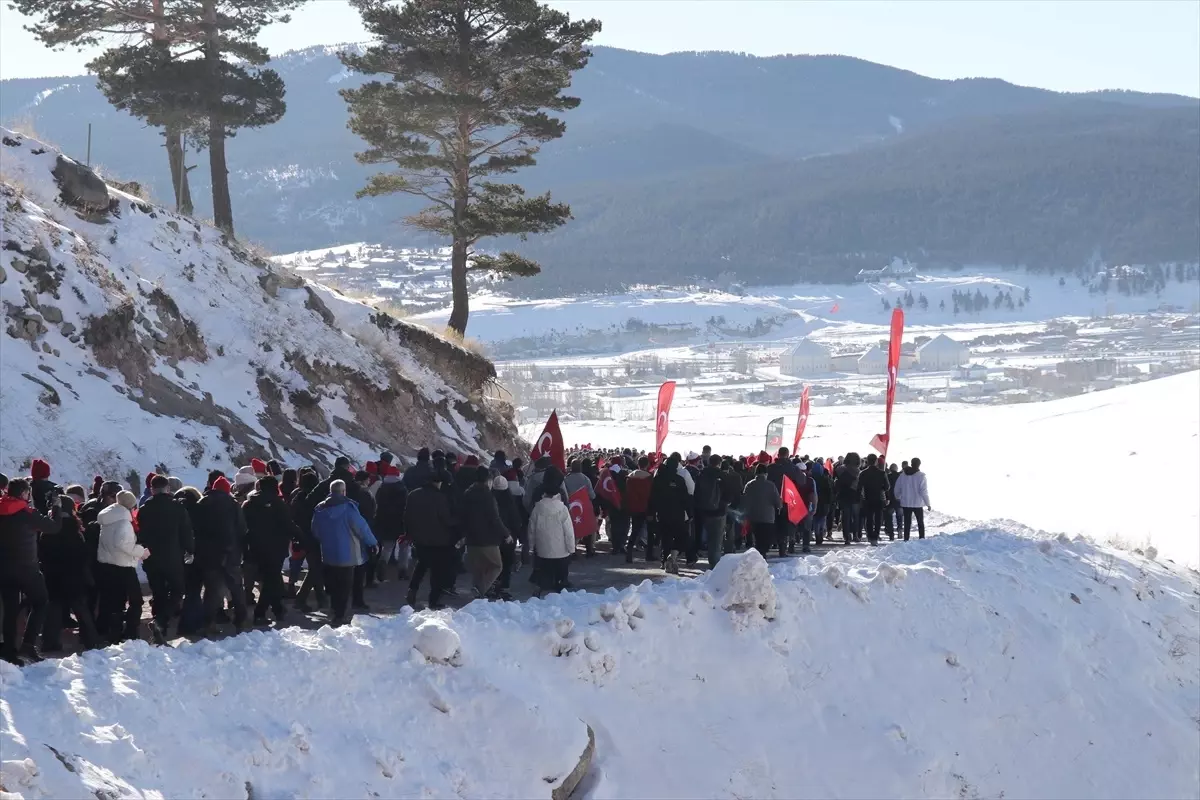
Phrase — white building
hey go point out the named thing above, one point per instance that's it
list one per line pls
(804, 358)
(873, 362)
(942, 352)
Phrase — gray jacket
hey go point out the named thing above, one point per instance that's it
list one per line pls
(761, 500)
(533, 491)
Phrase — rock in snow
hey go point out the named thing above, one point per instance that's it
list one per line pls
(436, 640)
(742, 582)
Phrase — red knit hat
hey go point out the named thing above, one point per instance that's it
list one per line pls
(471, 461)
(259, 466)
(391, 471)
(150, 476)
(40, 470)
(221, 484)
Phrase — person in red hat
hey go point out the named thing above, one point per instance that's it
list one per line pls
(44, 490)
(219, 534)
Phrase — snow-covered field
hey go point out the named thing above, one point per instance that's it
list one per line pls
(991, 663)
(1120, 464)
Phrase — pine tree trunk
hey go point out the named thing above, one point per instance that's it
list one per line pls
(179, 173)
(458, 285)
(459, 310)
(218, 169)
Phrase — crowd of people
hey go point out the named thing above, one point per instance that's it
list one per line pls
(216, 557)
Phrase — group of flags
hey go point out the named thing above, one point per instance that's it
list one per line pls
(583, 516)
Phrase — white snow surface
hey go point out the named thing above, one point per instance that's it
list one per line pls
(993, 662)
(1118, 465)
(97, 428)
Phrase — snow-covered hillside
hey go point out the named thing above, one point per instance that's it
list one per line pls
(135, 337)
(1115, 465)
(992, 663)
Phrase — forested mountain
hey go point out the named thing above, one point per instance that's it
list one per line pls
(1047, 190)
(730, 138)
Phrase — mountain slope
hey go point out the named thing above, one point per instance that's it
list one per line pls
(135, 337)
(642, 116)
(1051, 189)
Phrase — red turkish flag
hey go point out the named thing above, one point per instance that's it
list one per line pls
(881, 440)
(666, 394)
(606, 488)
(797, 510)
(802, 421)
(550, 443)
(582, 516)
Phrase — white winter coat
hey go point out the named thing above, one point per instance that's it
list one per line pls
(550, 529)
(911, 490)
(118, 542)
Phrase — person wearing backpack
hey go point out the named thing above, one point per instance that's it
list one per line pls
(711, 505)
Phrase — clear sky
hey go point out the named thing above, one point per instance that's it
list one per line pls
(1067, 45)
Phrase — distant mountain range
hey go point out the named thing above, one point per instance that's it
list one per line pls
(693, 164)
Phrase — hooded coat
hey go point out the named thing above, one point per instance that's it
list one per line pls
(481, 522)
(118, 541)
(222, 529)
(342, 531)
(912, 489)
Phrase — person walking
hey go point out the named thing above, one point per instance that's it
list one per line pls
(269, 534)
(712, 503)
(346, 541)
(165, 530)
(552, 538)
(117, 559)
(484, 531)
(220, 538)
(761, 503)
(874, 485)
(65, 564)
(430, 527)
(912, 492)
(20, 572)
(671, 503)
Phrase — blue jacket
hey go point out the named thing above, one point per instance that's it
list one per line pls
(343, 532)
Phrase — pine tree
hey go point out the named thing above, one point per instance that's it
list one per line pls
(234, 91)
(469, 87)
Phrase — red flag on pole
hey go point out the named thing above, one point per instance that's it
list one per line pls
(881, 440)
(582, 516)
(606, 488)
(796, 508)
(550, 443)
(666, 394)
(802, 420)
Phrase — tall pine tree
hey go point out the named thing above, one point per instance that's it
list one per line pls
(469, 87)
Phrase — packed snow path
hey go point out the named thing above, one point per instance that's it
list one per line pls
(995, 662)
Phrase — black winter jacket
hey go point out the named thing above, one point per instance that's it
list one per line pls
(221, 533)
(65, 559)
(874, 484)
(427, 518)
(269, 528)
(482, 525)
(165, 529)
(390, 502)
(669, 498)
(20, 525)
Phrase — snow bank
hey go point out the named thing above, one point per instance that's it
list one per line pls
(992, 663)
